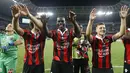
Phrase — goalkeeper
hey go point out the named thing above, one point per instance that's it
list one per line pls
(8, 47)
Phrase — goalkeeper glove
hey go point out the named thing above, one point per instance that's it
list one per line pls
(11, 43)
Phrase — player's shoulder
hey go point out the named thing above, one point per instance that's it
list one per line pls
(27, 31)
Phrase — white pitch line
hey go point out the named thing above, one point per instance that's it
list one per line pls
(113, 66)
(47, 69)
(118, 66)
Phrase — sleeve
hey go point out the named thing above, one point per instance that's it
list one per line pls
(110, 37)
(91, 42)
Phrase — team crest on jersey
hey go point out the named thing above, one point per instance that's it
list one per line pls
(10, 70)
(33, 48)
(62, 45)
(106, 40)
(103, 53)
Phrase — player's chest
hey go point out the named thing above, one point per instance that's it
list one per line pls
(62, 36)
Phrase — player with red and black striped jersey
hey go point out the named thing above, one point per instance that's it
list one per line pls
(34, 40)
(126, 42)
(101, 44)
(62, 41)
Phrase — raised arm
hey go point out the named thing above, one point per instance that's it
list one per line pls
(72, 18)
(15, 20)
(123, 13)
(44, 20)
(90, 23)
(25, 12)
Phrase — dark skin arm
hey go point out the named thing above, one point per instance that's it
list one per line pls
(72, 19)
(44, 20)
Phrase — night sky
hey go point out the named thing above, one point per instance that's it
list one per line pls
(74, 2)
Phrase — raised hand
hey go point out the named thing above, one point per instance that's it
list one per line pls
(15, 11)
(92, 14)
(44, 18)
(72, 16)
(23, 10)
(124, 11)
(11, 43)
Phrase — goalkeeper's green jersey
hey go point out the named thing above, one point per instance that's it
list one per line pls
(4, 41)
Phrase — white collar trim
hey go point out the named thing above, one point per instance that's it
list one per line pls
(128, 29)
(63, 32)
(100, 37)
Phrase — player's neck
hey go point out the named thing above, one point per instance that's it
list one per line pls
(101, 36)
(10, 33)
(62, 30)
(34, 30)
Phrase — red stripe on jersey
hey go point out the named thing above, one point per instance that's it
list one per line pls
(71, 41)
(37, 51)
(55, 53)
(100, 52)
(34, 46)
(58, 54)
(58, 40)
(60, 50)
(30, 55)
(101, 57)
(94, 55)
(37, 58)
(65, 55)
(25, 56)
(127, 44)
(108, 56)
(26, 52)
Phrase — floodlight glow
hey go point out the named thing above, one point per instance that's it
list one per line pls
(109, 13)
(45, 13)
(49, 13)
(100, 13)
(14, 1)
(104, 13)
(40, 13)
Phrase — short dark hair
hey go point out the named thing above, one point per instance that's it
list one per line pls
(128, 21)
(100, 24)
(60, 17)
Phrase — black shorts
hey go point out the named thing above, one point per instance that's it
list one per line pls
(126, 68)
(80, 62)
(97, 70)
(81, 65)
(33, 68)
(61, 67)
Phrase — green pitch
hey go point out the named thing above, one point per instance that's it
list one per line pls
(117, 56)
